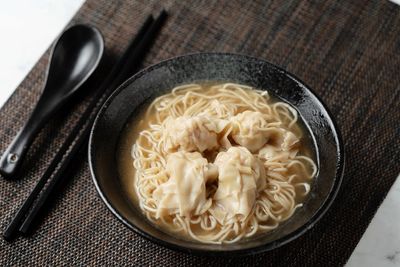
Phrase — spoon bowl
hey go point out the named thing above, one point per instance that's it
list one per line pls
(76, 55)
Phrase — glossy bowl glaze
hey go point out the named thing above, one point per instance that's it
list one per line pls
(126, 101)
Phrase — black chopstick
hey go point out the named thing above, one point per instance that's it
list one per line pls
(127, 63)
(126, 67)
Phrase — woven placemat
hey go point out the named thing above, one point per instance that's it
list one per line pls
(347, 51)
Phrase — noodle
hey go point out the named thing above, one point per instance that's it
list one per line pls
(228, 108)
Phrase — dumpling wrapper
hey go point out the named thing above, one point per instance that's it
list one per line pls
(241, 176)
(248, 130)
(197, 133)
(185, 191)
(283, 149)
(290, 141)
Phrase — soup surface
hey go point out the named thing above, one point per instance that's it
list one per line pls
(216, 163)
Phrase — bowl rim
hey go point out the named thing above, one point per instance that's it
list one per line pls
(238, 252)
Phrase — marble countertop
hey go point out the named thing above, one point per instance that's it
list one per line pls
(380, 244)
(23, 45)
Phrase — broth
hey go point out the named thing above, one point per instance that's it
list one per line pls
(138, 123)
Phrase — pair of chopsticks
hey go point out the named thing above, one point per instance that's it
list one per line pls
(28, 213)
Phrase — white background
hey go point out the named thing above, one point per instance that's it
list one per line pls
(27, 28)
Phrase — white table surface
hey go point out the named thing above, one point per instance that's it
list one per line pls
(22, 45)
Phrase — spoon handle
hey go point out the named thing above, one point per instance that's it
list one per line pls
(12, 158)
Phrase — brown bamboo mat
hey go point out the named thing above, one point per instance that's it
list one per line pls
(347, 51)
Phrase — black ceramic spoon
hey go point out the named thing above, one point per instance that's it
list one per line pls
(74, 57)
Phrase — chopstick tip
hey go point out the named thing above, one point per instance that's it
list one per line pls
(163, 13)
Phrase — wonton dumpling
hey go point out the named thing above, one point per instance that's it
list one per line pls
(247, 130)
(282, 138)
(185, 191)
(283, 147)
(272, 153)
(289, 141)
(241, 176)
(196, 133)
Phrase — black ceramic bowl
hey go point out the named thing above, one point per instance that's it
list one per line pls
(162, 77)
